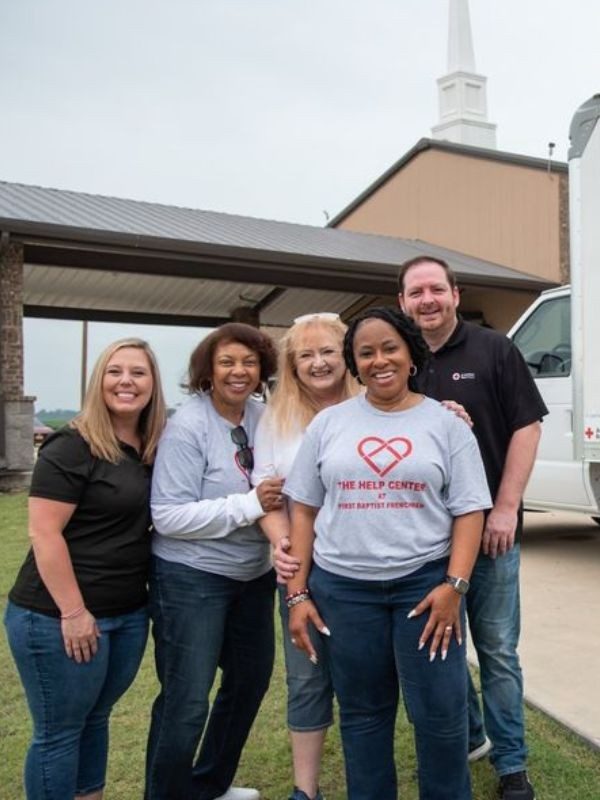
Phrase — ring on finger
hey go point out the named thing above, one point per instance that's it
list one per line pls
(448, 628)
(292, 640)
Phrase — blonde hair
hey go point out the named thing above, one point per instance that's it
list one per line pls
(94, 423)
(291, 406)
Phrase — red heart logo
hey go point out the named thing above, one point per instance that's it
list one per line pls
(382, 456)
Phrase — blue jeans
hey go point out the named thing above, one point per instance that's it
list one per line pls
(493, 607)
(310, 692)
(70, 703)
(202, 621)
(373, 649)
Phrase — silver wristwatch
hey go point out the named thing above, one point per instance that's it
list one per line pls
(459, 585)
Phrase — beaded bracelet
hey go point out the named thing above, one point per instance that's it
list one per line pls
(298, 598)
(291, 595)
(73, 614)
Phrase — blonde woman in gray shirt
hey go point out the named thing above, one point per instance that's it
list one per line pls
(312, 376)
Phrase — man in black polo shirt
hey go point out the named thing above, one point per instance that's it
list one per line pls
(484, 371)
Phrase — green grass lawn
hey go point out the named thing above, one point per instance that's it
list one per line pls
(561, 766)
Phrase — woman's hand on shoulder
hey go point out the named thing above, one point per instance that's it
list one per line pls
(269, 494)
(80, 636)
(443, 604)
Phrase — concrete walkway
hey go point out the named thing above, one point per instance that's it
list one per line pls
(560, 636)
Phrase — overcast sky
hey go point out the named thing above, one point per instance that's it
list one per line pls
(281, 109)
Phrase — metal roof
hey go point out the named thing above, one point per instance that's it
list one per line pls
(448, 147)
(96, 257)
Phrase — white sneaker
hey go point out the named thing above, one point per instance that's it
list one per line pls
(480, 752)
(237, 793)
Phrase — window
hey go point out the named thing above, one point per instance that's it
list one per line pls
(545, 339)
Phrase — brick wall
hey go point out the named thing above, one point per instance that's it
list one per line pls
(16, 411)
(565, 244)
(11, 321)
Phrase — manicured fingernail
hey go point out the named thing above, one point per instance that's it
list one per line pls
(444, 654)
(431, 657)
(459, 640)
(313, 659)
(325, 631)
(421, 645)
(411, 614)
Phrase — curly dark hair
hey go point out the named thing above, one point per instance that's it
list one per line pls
(404, 327)
(200, 368)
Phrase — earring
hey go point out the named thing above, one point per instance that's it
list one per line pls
(412, 371)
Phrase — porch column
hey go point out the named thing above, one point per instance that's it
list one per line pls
(16, 410)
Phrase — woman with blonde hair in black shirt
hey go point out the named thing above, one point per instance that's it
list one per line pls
(76, 619)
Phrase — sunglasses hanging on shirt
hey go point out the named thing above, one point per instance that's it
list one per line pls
(244, 454)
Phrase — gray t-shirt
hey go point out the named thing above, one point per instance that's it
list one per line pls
(387, 485)
(203, 509)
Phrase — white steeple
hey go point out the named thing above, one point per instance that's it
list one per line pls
(462, 92)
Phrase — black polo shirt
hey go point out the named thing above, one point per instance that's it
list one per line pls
(108, 534)
(485, 372)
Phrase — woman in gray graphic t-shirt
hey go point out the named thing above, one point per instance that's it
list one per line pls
(388, 492)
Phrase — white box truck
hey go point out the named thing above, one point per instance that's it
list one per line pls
(559, 335)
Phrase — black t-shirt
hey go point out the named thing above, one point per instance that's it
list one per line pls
(108, 535)
(486, 373)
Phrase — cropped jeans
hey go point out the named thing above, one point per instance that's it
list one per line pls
(310, 691)
(493, 607)
(202, 621)
(373, 648)
(70, 703)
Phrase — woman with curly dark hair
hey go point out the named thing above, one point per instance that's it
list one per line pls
(388, 490)
(211, 581)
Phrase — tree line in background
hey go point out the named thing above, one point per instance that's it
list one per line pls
(57, 417)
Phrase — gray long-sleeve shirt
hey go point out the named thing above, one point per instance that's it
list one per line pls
(203, 509)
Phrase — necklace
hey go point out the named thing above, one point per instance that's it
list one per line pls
(408, 401)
